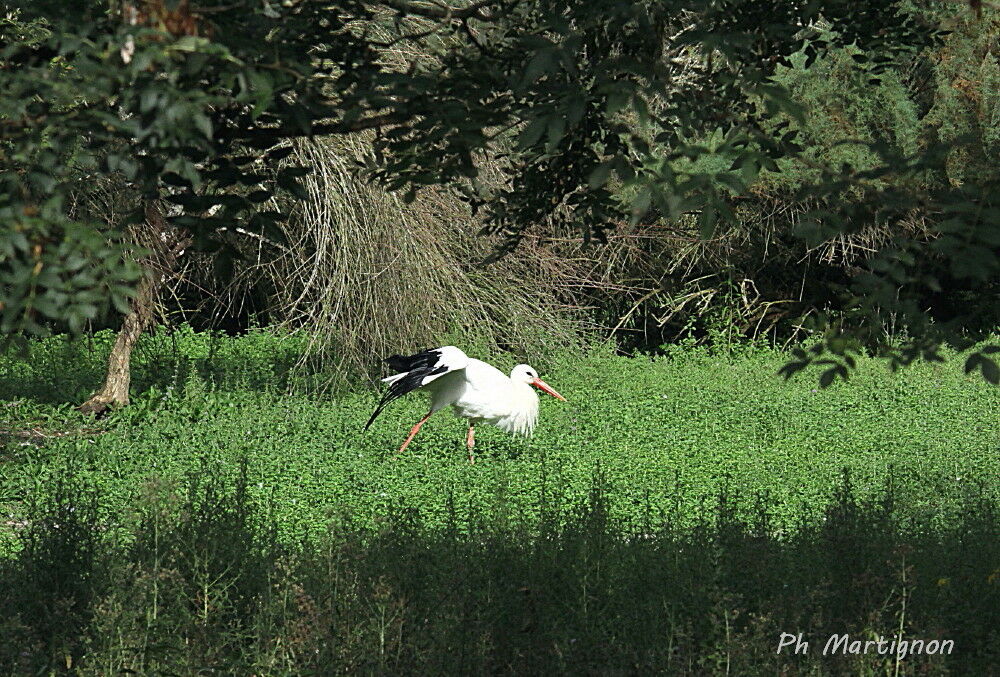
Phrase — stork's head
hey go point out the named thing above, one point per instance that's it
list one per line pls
(522, 373)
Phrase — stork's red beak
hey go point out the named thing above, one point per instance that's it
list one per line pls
(545, 387)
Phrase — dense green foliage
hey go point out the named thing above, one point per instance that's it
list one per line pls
(847, 152)
(919, 246)
(565, 101)
(142, 96)
(675, 513)
(889, 263)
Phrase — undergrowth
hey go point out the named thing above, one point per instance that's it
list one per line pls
(677, 514)
(204, 584)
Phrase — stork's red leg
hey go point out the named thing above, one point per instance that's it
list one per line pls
(413, 432)
(470, 441)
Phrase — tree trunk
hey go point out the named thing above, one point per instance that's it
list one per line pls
(165, 244)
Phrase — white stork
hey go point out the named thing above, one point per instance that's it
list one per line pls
(476, 391)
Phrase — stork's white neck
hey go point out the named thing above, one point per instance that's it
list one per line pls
(524, 410)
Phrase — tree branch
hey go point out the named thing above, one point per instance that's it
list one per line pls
(278, 133)
(403, 38)
(441, 11)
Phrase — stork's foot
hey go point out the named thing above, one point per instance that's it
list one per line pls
(413, 433)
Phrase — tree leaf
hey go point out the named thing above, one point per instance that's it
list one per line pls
(532, 133)
(599, 175)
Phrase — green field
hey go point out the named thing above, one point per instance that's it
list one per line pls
(676, 513)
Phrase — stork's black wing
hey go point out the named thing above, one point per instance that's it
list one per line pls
(416, 371)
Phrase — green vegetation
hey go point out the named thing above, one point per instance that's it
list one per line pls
(774, 160)
(677, 513)
(762, 172)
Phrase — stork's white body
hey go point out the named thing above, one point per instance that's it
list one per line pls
(479, 392)
(476, 391)
(482, 393)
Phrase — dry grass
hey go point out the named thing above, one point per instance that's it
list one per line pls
(369, 275)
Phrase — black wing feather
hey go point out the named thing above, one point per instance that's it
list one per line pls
(417, 367)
